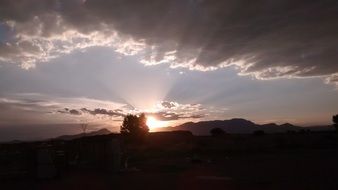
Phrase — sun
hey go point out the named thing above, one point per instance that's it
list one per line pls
(153, 123)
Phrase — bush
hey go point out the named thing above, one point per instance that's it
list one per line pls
(335, 121)
(258, 133)
(217, 132)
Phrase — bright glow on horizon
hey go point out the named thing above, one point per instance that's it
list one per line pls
(153, 123)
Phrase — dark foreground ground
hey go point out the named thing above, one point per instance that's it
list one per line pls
(284, 161)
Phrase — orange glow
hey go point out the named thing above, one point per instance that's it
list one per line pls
(153, 123)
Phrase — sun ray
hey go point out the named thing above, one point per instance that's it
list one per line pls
(153, 123)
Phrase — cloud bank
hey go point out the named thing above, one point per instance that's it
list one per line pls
(265, 39)
(164, 111)
(32, 108)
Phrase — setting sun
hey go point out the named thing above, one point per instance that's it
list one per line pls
(153, 123)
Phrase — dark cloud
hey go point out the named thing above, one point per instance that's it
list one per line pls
(70, 111)
(171, 116)
(264, 38)
(62, 111)
(113, 113)
(161, 115)
(74, 112)
(169, 105)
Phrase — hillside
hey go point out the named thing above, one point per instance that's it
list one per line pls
(236, 125)
(93, 133)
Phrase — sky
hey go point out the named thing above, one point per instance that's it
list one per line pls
(67, 62)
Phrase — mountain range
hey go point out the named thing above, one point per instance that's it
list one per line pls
(238, 125)
(103, 131)
(234, 126)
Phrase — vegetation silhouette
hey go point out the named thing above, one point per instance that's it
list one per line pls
(216, 132)
(335, 121)
(259, 133)
(134, 127)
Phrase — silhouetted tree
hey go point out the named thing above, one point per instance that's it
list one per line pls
(335, 121)
(217, 132)
(134, 126)
(129, 125)
(142, 120)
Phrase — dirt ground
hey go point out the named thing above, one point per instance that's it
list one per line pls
(211, 167)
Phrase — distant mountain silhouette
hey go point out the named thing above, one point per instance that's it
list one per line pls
(274, 128)
(322, 128)
(103, 131)
(236, 125)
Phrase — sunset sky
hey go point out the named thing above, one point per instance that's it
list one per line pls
(65, 62)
